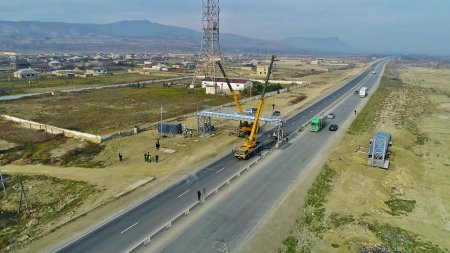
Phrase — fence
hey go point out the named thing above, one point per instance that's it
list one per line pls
(52, 129)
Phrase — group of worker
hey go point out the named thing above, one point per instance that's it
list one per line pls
(147, 156)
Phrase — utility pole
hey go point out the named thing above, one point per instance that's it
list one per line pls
(3, 183)
(23, 196)
(210, 47)
(160, 125)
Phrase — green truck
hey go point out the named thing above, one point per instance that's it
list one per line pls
(317, 123)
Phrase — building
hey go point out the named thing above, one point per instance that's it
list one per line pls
(96, 71)
(55, 64)
(26, 74)
(262, 70)
(20, 63)
(236, 84)
(317, 61)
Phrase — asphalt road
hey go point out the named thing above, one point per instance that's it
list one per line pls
(128, 229)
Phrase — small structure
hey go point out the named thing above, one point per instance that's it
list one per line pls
(261, 70)
(96, 71)
(55, 64)
(20, 63)
(221, 84)
(164, 127)
(378, 150)
(26, 74)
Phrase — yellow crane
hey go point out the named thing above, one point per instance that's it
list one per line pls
(250, 145)
(244, 127)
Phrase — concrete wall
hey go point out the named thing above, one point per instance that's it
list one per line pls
(52, 129)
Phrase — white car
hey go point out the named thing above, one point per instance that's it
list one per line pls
(331, 115)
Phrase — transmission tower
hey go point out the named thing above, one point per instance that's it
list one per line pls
(210, 48)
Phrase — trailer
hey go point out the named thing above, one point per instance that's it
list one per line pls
(317, 123)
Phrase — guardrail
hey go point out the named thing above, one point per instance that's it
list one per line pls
(166, 226)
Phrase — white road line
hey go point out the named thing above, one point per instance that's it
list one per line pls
(183, 193)
(129, 227)
(217, 172)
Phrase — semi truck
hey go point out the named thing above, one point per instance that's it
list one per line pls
(317, 123)
(363, 92)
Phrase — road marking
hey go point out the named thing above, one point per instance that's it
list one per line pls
(217, 172)
(183, 193)
(129, 227)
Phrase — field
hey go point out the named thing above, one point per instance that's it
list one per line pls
(50, 83)
(102, 170)
(100, 112)
(355, 208)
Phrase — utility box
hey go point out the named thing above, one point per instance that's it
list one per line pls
(167, 128)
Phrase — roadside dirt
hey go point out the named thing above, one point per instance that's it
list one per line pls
(404, 208)
(118, 178)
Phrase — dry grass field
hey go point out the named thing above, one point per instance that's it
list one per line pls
(356, 208)
(108, 110)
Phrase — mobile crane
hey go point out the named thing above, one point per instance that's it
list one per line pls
(251, 146)
(244, 127)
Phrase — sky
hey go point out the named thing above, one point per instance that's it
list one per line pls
(381, 26)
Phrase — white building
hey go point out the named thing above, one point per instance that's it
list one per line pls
(55, 64)
(236, 84)
(26, 73)
(96, 71)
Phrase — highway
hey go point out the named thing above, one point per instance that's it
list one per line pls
(234, 217)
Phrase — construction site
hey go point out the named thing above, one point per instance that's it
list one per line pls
(72, 156)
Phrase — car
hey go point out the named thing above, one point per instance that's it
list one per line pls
(276, 113)
(331, 115)
(333, 127)
(250, 111)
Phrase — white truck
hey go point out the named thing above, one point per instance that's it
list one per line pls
(363, 92)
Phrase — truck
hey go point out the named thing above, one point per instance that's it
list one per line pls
(251, 146)
(317, 123)
(363, 92)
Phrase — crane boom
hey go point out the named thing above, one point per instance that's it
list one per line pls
(261, 103)
(250, 145)
(233, 93)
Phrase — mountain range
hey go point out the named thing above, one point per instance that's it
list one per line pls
(142, 35)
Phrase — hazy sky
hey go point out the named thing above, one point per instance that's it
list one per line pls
(405, 26)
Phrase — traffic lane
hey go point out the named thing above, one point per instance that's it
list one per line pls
(246, 202)
(153, 213)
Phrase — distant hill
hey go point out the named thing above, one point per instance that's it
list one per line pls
(332, 44)
(138, 35)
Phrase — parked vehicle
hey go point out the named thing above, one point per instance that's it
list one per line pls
(276, 113)
(333, 127)
(250, 111)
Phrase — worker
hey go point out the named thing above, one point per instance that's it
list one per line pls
(145, 157)
(120, 157)
(150, 158)
(199, 195)
(156, 158)
(355, 112)
(157, 145)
